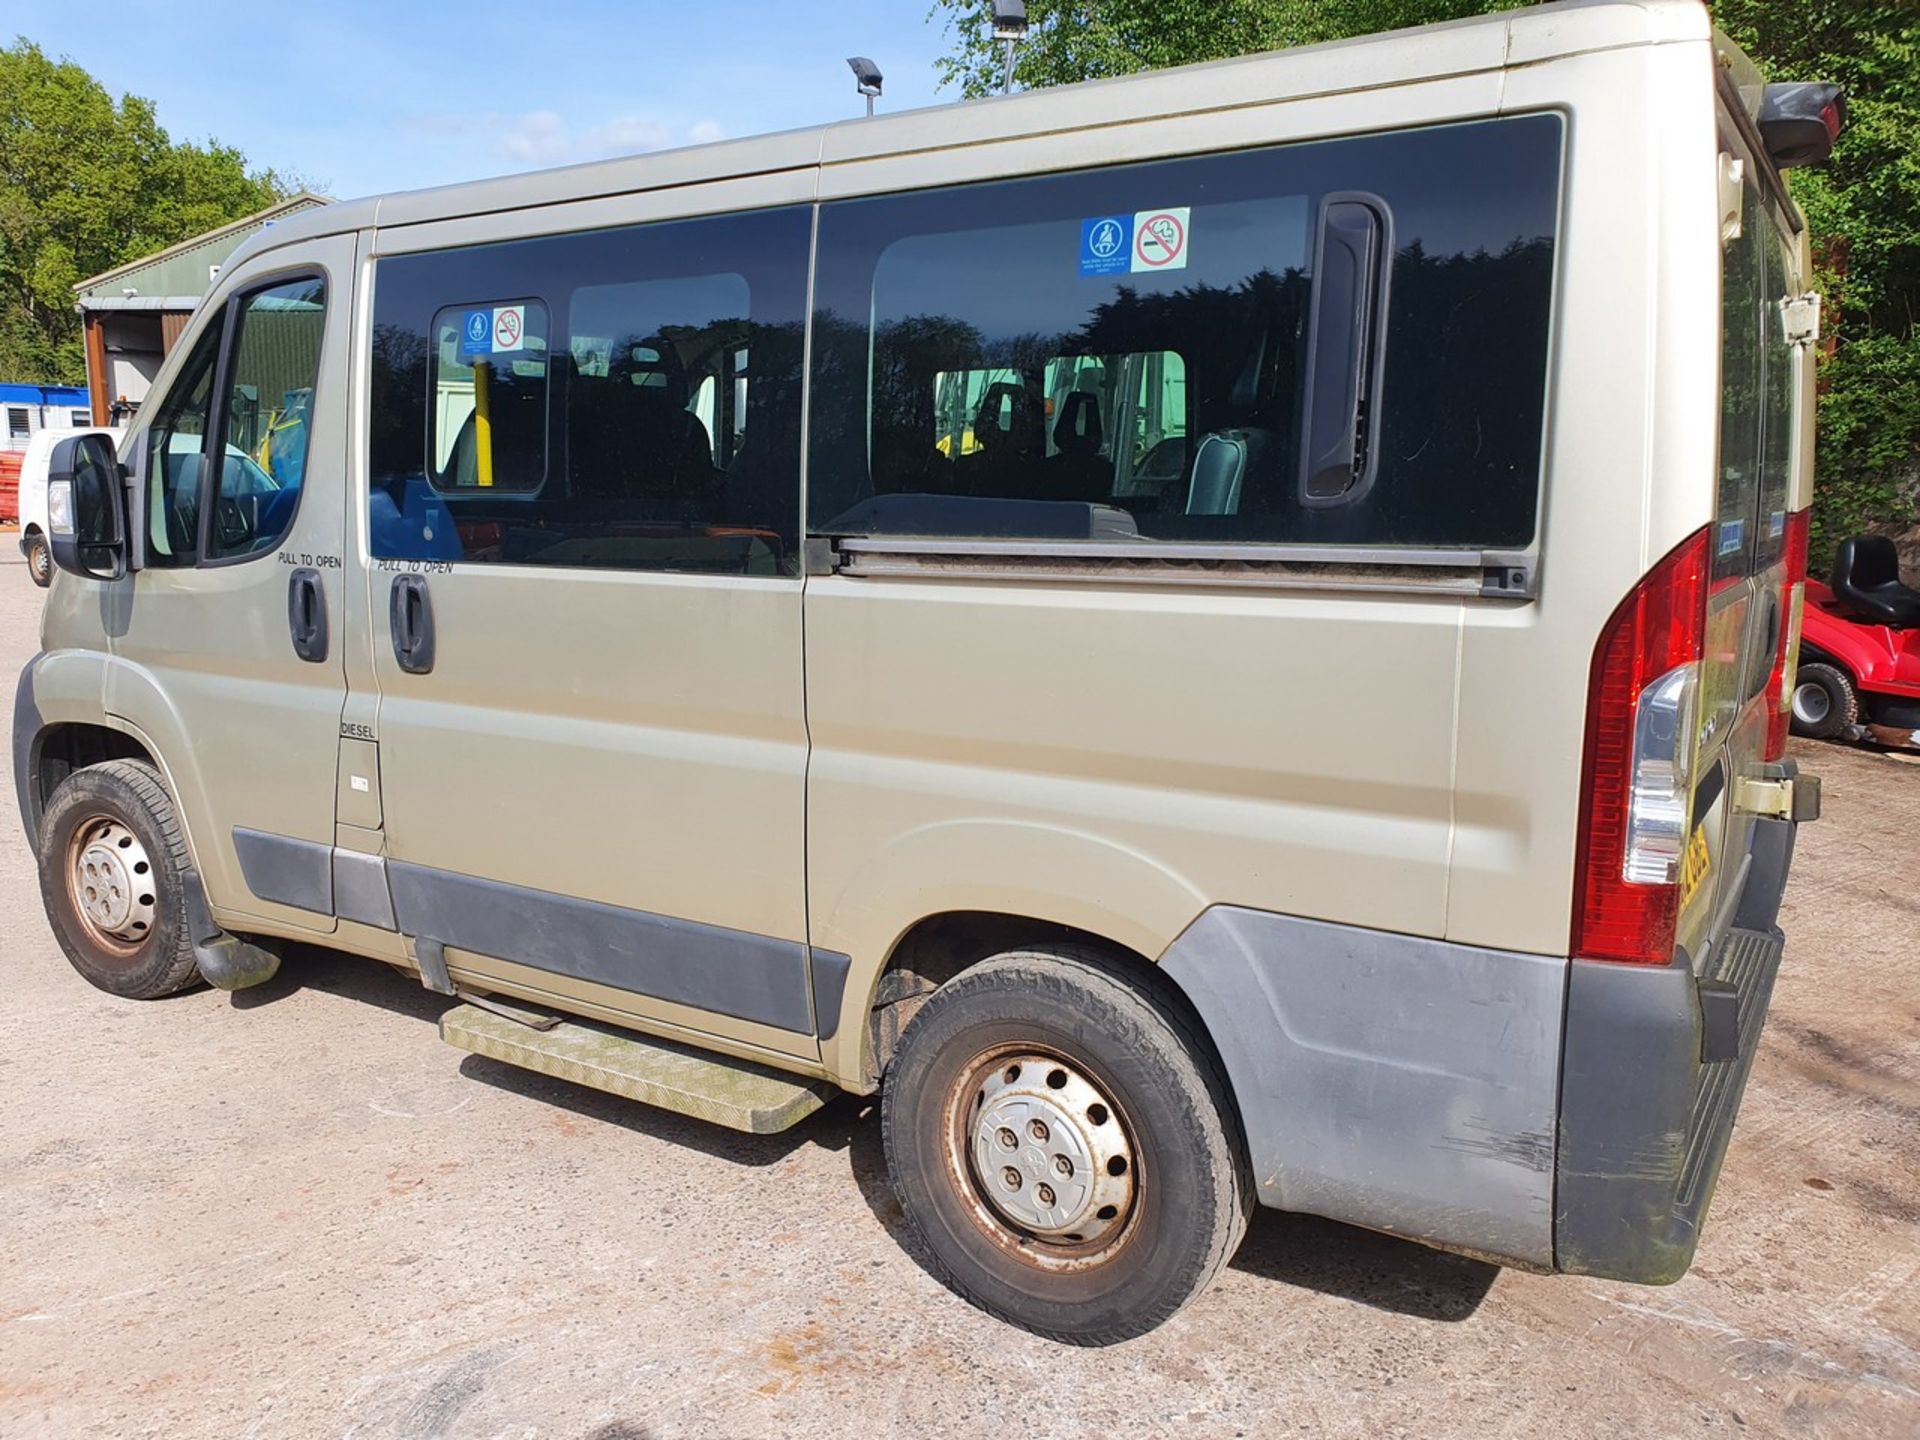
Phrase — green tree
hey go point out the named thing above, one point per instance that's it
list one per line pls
(88, 183)
(1863, 211)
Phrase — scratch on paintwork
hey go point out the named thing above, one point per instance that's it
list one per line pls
(1530, 1149)
(1659, 1159)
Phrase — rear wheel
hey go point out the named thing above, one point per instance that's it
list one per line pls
(1064, 1144)
(112, 876)
(1825, 704)
(39, 560)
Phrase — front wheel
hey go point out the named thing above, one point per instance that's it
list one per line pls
(113, 869)
(1064, 1144)
(1825, 704)
(39, 560)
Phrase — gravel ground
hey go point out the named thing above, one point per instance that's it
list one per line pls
(293, 1212)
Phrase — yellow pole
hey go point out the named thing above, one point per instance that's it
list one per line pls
(482, 424)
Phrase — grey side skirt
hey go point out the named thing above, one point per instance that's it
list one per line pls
(1404, 1084)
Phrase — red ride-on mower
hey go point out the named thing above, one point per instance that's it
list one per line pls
(1859, 676)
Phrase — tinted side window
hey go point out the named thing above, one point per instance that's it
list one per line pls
(1125, 351)
(643, 413)
(1776, 451)
(1743, 302)
(176, 456)
(267, 420)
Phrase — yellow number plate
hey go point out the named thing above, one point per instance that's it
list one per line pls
(1693, 869)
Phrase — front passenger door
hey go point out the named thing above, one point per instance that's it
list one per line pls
(226, 636)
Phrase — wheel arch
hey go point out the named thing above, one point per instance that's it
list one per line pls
(1830, 640)
(58, 749)
(963, 883)
(1811, 654)
(936, 948)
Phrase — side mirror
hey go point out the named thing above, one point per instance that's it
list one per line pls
(87, 508)
(1800, 122)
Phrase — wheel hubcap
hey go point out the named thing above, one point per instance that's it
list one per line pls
(1046, 1151)
(111, 879)
(1811, 704)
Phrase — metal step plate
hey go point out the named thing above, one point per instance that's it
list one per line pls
(734, 1093)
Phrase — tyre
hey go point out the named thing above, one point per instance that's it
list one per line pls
(1065, 1146)
(112, 876)
(39, 560)
(1825, 703)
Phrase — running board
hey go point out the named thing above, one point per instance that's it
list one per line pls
(734, 1093)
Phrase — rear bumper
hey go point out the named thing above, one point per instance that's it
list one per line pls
(1548, 1113)
(1654, 1065)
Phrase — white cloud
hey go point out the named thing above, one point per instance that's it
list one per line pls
(626, 135)
(545, 137)
(536, 138)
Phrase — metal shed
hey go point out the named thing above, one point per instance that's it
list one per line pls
(134, 314)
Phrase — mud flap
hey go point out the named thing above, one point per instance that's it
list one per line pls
(224, 960)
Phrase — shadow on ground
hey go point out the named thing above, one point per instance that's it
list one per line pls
(1299, 1251)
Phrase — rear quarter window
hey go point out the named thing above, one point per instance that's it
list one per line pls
(1125, 352)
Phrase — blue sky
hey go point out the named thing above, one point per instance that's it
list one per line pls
(362, 97)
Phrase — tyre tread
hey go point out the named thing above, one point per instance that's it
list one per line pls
(148, 790)
(1846, 699)
(1165, 1030)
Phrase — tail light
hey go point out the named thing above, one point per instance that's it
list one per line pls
(1636, 781)
(1786, 656)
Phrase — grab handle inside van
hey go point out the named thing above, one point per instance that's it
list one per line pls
(1346, 335)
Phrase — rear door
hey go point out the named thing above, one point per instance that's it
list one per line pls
(1747, 599)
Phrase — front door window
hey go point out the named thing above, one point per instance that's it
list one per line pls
(270, 374)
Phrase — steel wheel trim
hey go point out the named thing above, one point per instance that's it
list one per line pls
(110, 882)
(1811, 703)
(40, 562)
(1044, 1158)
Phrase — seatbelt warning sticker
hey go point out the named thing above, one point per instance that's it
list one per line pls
(1160, 239)
(1106, 245)
(476, 333)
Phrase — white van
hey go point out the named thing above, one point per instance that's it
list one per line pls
(1216, 638)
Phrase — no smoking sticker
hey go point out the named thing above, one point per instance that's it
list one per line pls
(509, 327)
(1160, 239)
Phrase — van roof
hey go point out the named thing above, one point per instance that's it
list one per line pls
(1461, 47)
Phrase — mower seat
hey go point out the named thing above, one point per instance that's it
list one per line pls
(1866, 580)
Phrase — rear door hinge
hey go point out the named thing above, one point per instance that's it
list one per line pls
(1800, 318)
(1795, 797)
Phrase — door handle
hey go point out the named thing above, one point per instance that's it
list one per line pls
(307, 615)
(410, 614)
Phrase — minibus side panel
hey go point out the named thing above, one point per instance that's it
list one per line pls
(1114, 752)
(1046, 751)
